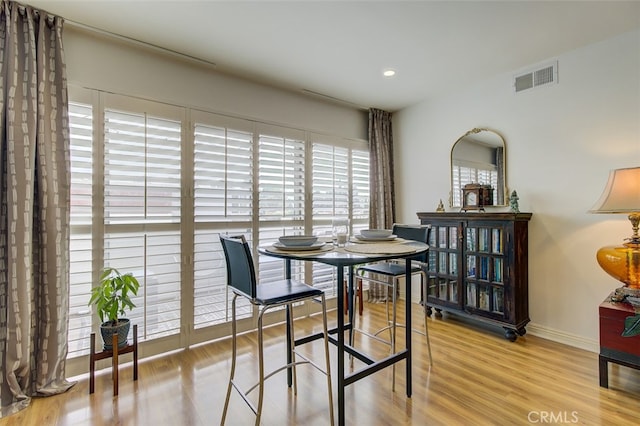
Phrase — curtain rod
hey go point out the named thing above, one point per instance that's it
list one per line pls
(131, 40)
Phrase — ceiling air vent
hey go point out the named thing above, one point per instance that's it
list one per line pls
(537, 77)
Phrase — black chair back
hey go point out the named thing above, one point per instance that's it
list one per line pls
(419, 233)
(241, 274)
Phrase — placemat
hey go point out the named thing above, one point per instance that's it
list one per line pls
(380, 248)
(394, 241)
(326, 247)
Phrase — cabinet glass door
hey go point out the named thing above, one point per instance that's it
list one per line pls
(444, 263)
(484, 269)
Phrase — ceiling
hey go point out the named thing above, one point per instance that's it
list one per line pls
(338, 49)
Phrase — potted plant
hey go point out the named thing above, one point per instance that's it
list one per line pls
(111, 298)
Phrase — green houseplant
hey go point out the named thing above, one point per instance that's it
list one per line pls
(112, 297)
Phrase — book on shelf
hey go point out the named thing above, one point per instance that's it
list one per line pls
(484, 299)
(471, 295)
(496, 241)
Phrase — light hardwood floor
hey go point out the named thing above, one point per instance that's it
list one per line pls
(477, 378)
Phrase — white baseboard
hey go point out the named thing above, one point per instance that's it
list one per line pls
(563, 337)
(537, 330)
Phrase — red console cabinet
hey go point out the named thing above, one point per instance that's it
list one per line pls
(613, 347)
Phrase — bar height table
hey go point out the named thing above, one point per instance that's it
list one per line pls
(344, 258)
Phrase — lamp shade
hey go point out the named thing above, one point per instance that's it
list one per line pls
(622, 193)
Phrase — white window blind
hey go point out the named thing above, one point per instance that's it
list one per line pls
(281, 197)
(80, 247)
(270, 268)
(212, 299)
(330, 198)
(330, 187)
(142, 213)
(360, 193)
(154, 258)
(141, 168)
(281, 169)
(223, 196)
(223, 174)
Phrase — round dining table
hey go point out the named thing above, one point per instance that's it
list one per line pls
(355, 252)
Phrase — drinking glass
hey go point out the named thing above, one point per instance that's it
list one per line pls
(340, 231)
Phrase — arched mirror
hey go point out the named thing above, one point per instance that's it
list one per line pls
(478, 157)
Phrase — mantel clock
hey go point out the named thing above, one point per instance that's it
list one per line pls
(475, 196)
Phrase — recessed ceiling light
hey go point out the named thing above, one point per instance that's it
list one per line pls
(389, 73)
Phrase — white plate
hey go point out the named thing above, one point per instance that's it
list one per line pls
(376, 233)
(363, 238)
(315, 246)
(298, 240)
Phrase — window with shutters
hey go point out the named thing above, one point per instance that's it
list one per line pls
(340, 189)
(223, 202)
(142, 213)
(360, 195)
(281, 194)
(153, 186)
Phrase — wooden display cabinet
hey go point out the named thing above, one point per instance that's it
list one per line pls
(478, 267)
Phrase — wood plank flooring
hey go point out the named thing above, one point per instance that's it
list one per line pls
(477, 378)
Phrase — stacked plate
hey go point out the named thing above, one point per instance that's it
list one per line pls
(298, 243)
(376, 235)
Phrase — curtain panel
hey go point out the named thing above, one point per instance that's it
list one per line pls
(382, 210)
(34, 214)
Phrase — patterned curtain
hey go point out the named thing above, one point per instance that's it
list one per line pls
(34, 214)
(382, 210)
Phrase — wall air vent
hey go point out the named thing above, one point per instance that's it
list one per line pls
(540, 76)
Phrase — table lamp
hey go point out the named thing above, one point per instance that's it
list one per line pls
(622, 195)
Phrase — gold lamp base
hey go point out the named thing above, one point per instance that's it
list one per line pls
(623, 263)
(622, 195)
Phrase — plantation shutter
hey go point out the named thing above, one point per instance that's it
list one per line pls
(281, 194)
(142, 213)
(361, 196)
(330, 186)
(330, 198)
(223, 202)
(81, 213)
(223, 174)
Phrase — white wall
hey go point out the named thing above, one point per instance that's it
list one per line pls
(561, 142)
(101, 62)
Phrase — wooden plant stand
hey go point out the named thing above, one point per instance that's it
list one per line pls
(93, 357)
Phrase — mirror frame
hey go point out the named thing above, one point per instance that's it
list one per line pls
(474, 131)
